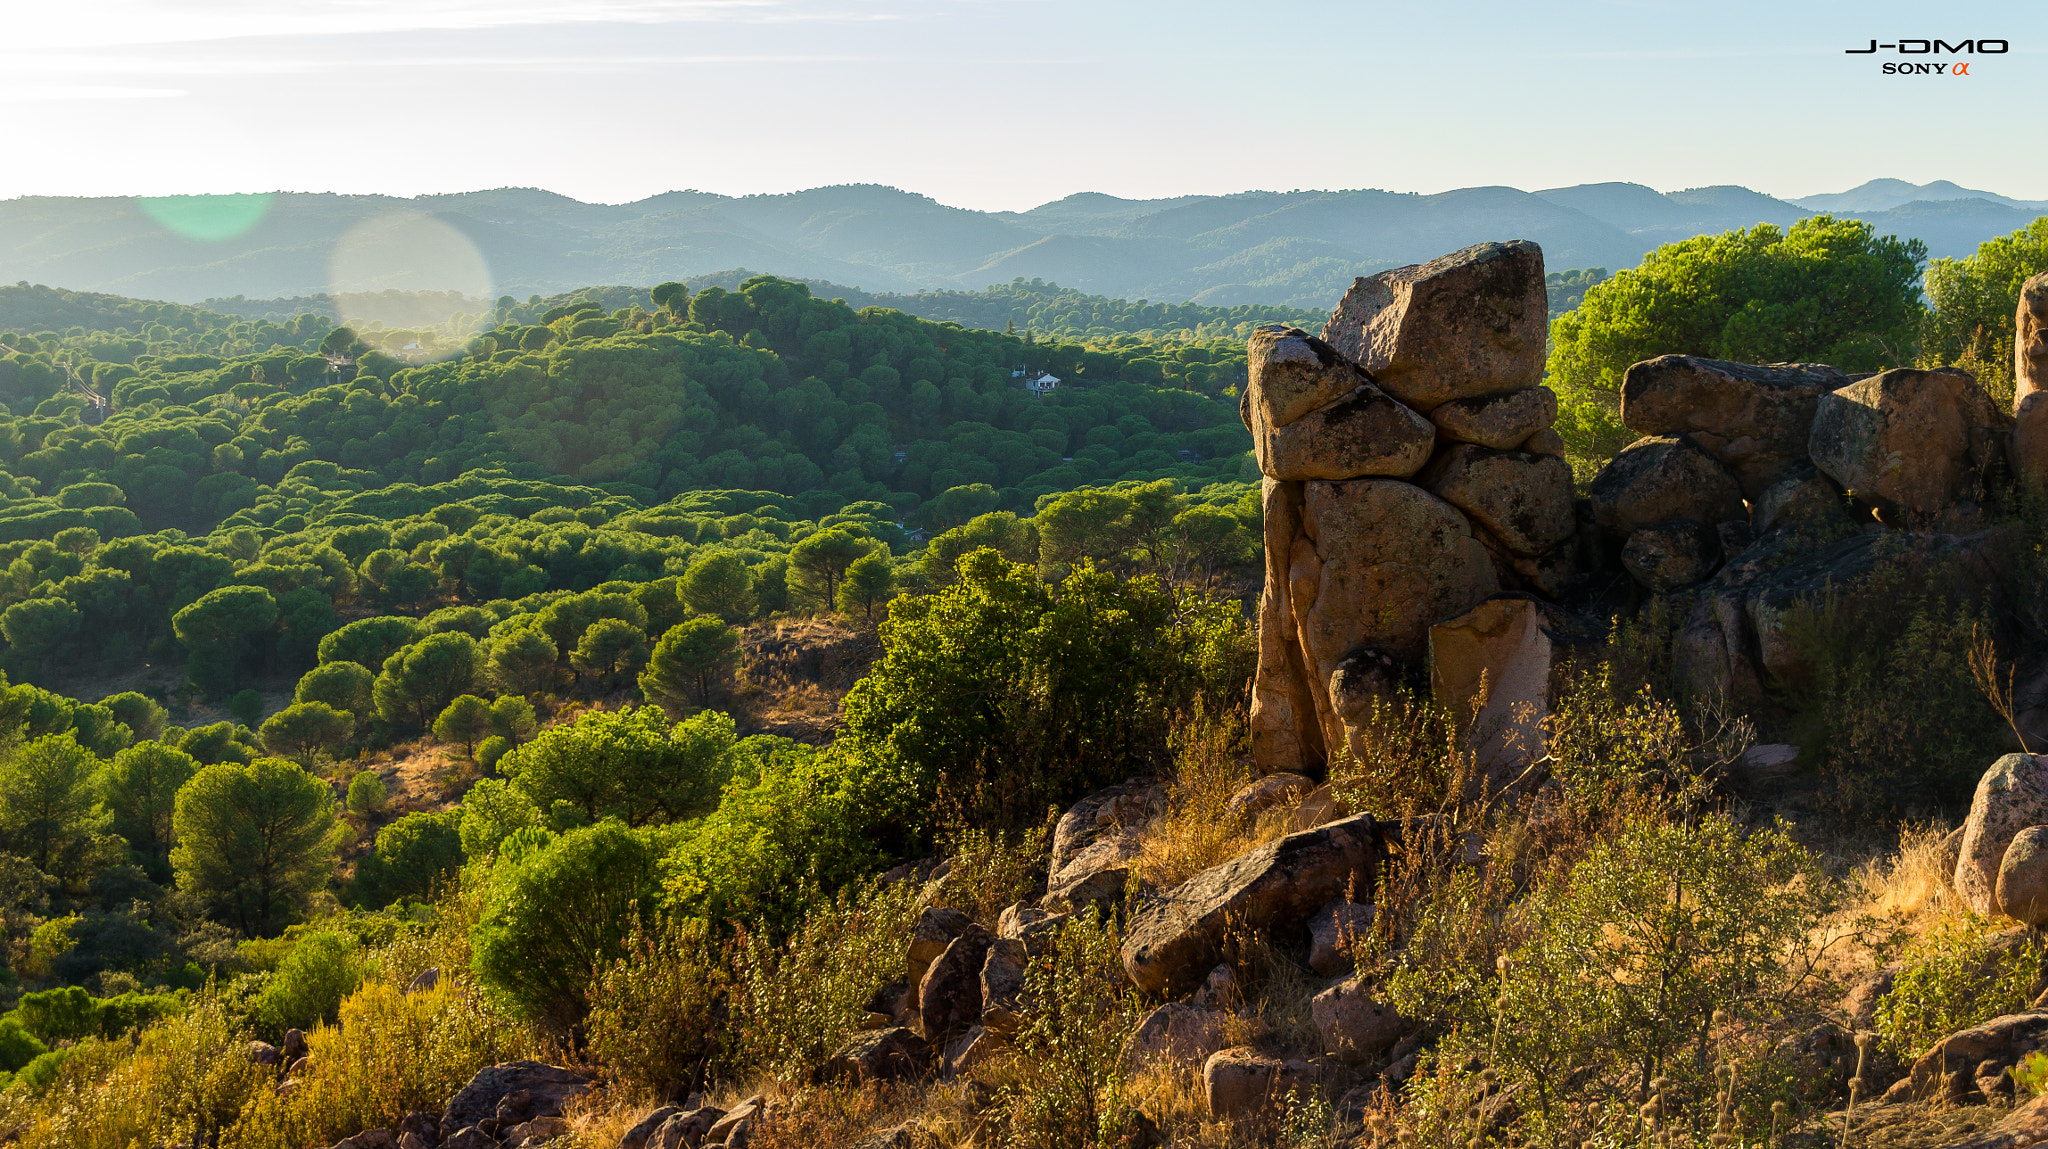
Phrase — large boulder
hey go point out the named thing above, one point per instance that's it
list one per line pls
(949, 998)
(1094, 842)
(1356, 1027)
(1469, 323)
(1754, 418)
(1659, 479)
(1258, 797)
(1910, 443)
(1710, 654)
(1950, 1071)
(1174, 941)
(1002, 985)
(2022, 892)
(1504, 421)
(1290, 373)
(1670, 555)
(1524, 500)
(1497, 654)
(1366, 432)
(878, 1055)
(547, 1088)
(2012, 796)
(934, 930)
(1242, 1082)
(1176, 1032)
(1381, 561)
(1286, 733)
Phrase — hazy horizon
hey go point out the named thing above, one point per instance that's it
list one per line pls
(995, 105)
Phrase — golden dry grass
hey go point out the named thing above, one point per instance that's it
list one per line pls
(1209, 769)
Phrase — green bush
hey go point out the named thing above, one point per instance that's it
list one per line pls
(551, 915)
(366, 794)
(37, 1076)
(1951, 979)
(18, 1046)
(1009, 695)
(655, 1013)
(414, 859)
(308, 986)
(54, 1015)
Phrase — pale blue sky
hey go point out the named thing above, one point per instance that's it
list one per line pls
(1002, 103)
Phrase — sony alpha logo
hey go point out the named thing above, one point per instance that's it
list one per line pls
(1932, 48)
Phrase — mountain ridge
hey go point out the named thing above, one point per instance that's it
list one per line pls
(1291, 248)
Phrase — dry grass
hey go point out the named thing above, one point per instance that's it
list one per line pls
(1210, 767)
(1914, 886)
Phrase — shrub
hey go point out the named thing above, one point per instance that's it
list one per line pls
(549, 916)
(246, 707)
(1629, 955)
(1011, 695)
(366, 794)
(390, 1054)
(654, 1012)
(307, 988)
(1068, 1088)
(491, 751)
(1950, 979)
(414, 858)
(795, 1002)
(55, 1015)
(18, 1046)
(39, 1075)
(627, 764)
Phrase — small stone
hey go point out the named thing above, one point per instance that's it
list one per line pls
(1002, 985)
(883, 1055)
(2012, 796)
(935, 930)
(425, 980)
(1266, 793)
(1355, 1027)
(636, 1137)
(264, 1053)
(1331, 931)
(1768, 762)
(1241, 1082)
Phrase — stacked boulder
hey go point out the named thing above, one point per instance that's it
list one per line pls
(1410, 474)
(1758, 489)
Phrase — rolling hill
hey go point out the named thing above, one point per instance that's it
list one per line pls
(1291, 248)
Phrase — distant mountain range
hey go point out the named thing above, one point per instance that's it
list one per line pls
(1295, 248)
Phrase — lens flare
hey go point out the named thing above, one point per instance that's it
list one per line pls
(407, 251)
(209, 218)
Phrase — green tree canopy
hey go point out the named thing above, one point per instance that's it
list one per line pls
(414, 858)
(1828, 290)
(718, 582)
(1974, 301)
(627, 764)
(418, 682)
(688, 664)
(306, 728)
(140, 791)
(254, 841)
(820, 561)
(46, 802)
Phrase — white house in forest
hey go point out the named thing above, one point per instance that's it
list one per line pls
(1040, 383)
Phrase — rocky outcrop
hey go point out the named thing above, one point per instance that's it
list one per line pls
(542, 1091)
(1754, 419)
(1095, 841)
(1951, 1071)
(2030, 380)
(1175, 940)
(1374, 535)
(949, 997)
(2011, 797)
(1910, 443)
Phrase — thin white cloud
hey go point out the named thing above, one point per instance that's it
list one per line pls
(45, 93)
(130, 22)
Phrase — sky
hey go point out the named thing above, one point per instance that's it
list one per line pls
(1003, 104)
